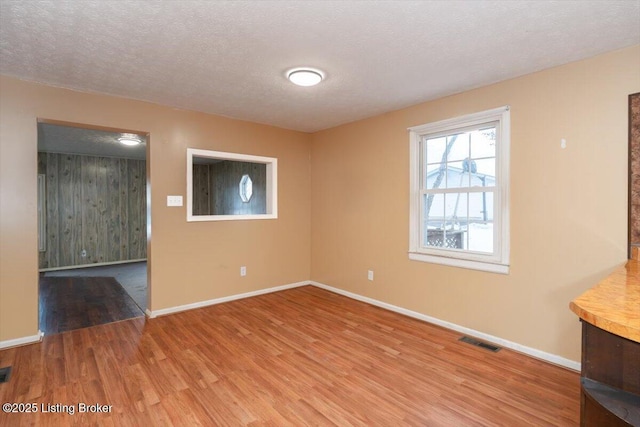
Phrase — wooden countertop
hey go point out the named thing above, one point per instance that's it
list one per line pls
(614, 303)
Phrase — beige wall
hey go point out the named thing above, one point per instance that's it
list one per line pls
(190, 262)
(568, 207)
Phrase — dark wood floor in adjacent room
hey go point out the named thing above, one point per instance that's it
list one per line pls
(68, 303)
(304, 356)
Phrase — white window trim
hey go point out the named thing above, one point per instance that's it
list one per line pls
(271, 185)
(498, 262)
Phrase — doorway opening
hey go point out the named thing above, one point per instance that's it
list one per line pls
(93, 225)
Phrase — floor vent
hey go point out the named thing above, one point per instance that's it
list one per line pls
(5, 373)
(477, 343)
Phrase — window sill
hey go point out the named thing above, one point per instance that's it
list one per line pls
(195, 218)
(462, 263)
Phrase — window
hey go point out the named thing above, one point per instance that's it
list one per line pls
(245, 188)
(460, 191)
(231, 186)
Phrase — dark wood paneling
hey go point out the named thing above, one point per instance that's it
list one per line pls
(53, 213)
(113, 231)
(201, 190)
(137, 209)
(69, 200)
(258, 173)
(97, 204)
(42, 170)
(89, 210)
(226, 177)
(216, 188)
(102, 238)
(123, 200)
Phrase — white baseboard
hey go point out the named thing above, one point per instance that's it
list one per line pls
(538, 354)
(22, 341)
(551, 358)
(95, 264)
(179, 308)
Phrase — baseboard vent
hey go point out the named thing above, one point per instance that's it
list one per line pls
(5, 373)
(481, 344)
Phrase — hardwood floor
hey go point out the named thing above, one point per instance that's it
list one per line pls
(304, 356)
(132, 276)
(67, 303)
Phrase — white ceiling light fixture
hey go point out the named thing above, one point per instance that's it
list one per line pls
(305, 76)
(130, 139)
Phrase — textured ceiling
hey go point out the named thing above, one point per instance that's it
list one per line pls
(230, 57)
(73, 140)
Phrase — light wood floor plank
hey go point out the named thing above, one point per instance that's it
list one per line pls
(304, 356)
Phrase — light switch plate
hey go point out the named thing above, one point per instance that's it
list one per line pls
(174, 200)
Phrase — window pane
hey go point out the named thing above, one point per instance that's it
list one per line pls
(455, 222)
(458, 146)
(486, 167)
(455, 209)
(445, 238)
(433, 208)
(456, 176)
(434, 149)
(437, 176)
(444, 229)
(481, 207)
(483, 143)
(481, 237)
(431, 168)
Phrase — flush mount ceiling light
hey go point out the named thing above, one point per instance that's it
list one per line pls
(305, 76)
(129, 139)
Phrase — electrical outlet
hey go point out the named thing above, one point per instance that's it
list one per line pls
(370, 275)
(83, 254)
(243, 271)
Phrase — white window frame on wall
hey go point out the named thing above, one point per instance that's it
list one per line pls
(271, 184)
(496, 262)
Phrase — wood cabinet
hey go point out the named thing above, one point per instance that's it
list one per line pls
(610, 381)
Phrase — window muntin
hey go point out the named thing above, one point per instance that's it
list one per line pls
(460, 168)
(459, 191)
